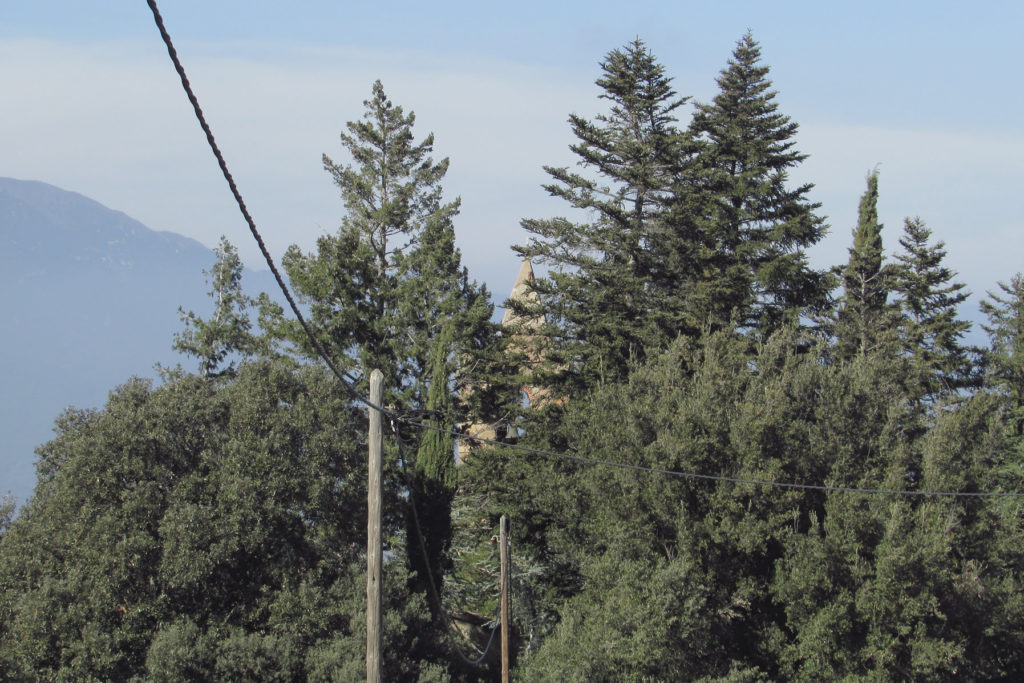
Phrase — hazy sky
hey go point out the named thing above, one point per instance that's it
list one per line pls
(930, 91)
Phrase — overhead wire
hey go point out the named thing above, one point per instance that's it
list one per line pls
(486, 650)
(348, 381)
(455, 434)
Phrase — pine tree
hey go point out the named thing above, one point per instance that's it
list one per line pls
(1006, 357)
(388, 291)
(390, 193)
(757, 225)
(596, 296)
(385, 286)
(219, 341)
(931, 332)
(864, 320)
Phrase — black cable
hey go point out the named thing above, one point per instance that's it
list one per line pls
(706, 477)
(345, 378)
(483, 655)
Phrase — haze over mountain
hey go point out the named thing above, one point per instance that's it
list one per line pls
(90, 298)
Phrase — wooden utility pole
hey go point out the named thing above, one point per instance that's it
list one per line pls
(374, 553)
(503, 540)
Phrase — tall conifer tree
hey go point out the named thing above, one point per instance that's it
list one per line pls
(931, 332)
(758, 225)
(384, 286)
(864, 318)
(389, 292)
(596, 295)
(1006, 358)
(226, 335)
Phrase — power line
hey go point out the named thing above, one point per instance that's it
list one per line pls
(706, 477)
(345, 378)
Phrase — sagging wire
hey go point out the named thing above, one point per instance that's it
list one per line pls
(347, 380)
(455, 434)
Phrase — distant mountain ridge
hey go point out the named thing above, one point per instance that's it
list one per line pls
(90, 297)
(33, 215)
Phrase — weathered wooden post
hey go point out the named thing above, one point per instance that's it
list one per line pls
(374, 553)
(503, 540)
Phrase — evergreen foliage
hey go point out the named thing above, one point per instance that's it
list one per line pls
(597, 296)
(227, 335)
(389, 292)
(687, 579)
(1006, 358)
(931, 331)
(213, 527)
(199, 531)
(757, 226)
(864, 320)
(7, 507)
(366, 285)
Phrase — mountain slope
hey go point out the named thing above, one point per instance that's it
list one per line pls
(90, 297)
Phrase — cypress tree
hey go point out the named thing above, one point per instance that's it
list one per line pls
(757, 225)
(864, 320)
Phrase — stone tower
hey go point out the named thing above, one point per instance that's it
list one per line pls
(521, 327)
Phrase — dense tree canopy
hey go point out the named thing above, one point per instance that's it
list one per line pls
(198, 531)
(711, 489)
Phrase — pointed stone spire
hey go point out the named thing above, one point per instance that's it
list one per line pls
(523, 331)
(521, 292)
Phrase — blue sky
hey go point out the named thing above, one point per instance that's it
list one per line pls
(930, 91)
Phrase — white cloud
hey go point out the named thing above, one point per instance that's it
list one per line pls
(112, 122)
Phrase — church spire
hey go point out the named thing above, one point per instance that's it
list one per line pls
(521, 292)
